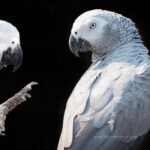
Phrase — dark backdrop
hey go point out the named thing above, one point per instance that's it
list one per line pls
(45, 26)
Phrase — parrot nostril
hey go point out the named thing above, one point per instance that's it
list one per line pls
(76, 33)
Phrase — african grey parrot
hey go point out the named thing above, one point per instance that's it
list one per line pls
(109, 108)
(11, 54)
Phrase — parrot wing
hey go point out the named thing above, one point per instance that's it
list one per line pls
(117, 107)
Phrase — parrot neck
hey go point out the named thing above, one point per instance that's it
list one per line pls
(131, 52)
(108, 47)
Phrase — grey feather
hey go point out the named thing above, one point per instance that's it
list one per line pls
(109, 107)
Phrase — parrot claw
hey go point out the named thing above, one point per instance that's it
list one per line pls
(28, 87)
(12, 102)
(26, 95)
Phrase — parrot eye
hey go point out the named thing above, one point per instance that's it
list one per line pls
(13, 42)
(76, 33)
(92, 25)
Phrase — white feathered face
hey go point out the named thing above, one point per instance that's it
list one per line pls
(10, 49)
(86, 32)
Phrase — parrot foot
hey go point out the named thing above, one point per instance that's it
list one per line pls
(12, 103)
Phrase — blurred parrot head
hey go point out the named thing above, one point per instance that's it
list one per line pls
(10, 49)
(101, 31)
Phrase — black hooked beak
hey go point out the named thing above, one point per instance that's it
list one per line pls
(75, 45)
(13, 57)
(79, 45)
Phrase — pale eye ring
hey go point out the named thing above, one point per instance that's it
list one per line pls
(92, 25)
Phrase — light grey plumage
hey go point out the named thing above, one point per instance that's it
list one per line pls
(109, 107)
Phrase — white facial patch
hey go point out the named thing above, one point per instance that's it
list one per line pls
(82, 28)
(9, 36)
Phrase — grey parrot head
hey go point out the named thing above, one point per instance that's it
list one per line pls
(10, 49)
(101, 31)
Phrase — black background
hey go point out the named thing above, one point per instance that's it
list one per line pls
(44, 27)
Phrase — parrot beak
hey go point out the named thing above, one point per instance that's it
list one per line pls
(78, 45)
(13, 57)
(75, 45)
